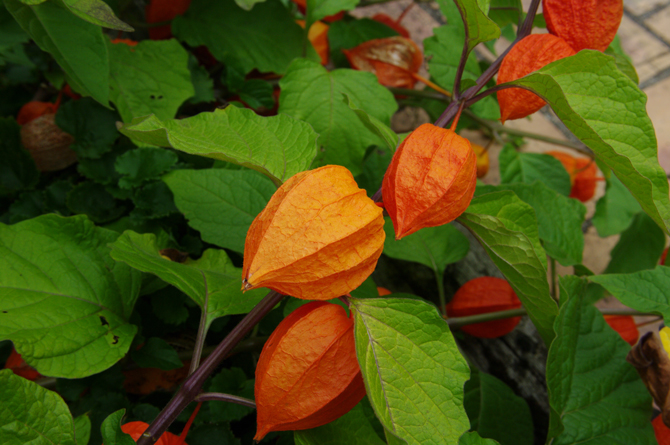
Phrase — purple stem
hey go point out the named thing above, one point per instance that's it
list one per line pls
(192, 385)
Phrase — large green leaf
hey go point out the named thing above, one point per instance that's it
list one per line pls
(531, 167)
(559, 219)
(594, 393)
(149, 78)
(30, 414)
(413, 371)
(266, 38)
(606, 111)
(64, 302)
(640, 247)
(277, 146)
(435, 247)
(98, 13)
(79, 47)
(220, 203)
(507, 228)
(310, 93)
(375, 125)
(212, 280)
(615, 210)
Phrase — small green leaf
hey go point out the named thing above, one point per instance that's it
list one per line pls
(478, 27)
(349, 33)
(507, 229)
(310, 93)
(203, 85)
(506, 12)
(318, 9)
(257, 93)
(92, 125)
(640, 247)
(375, 125)
(65, 303)
(17, 170)
(91, 199)
(82, 429)
(79, 47)
(231, 381)
(111, 430)
(211, 280)
(594, 393)
(472, 438)
(444, 54)
(157, 353)
(414, 377)
(277, 146)
(143, 164)
(221, 204)
(154, 200)
(615, 210)
(435, 247)
(151, 77)
(98, 13)
(531, 167)
(606, 110)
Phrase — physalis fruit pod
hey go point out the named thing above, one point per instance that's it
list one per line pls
(584, 24)
(319, 237)
(582, 173)
(430, 181)
(530, 54)
(625, 327)
(318, 37)
(308, 374)
(482, 295)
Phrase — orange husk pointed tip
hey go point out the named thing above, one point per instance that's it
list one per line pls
(430, 181)
(584, 24)
(319, 237)
(308, 374)
(530, 54)
(393, 60)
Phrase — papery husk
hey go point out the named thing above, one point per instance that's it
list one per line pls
(653, 365)
(318, 238)
(584, 24)
(48, 145)
(308, 374)
(430, 181)
(530, 54)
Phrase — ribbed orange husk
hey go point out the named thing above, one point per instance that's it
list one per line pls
(430, 181)
(392, 60)
(307, 374)
(483, 161)
(530, 54)
(318, 37)
(319, 237)
(582, 173)
(584, 24)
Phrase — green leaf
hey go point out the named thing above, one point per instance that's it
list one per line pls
(596, 395)
(496, 412)
(349, 33)
(17, 170)
(149, 78)
(478, 27)
(318, 9)
(30, 414)
(310, 93)
(92, 125)
(266, 39)
(111, 430)
(143, 164)
(531, 167)
(444, 54)
(506, 12)
(375, 125)
(559, 219)
(211, 280)
(221, 204)
(65, 303)
(414, 377)
(91, 199)
(157, 353)
(507, 229)
(203, 85)
(435, 247)
(257, 93)
(615, 210)
(640, 247)
(606, 110)
(375, 164)
(277, 146)
(79, 47)
(82, 429)
(98, 13)
(622, 60)
(154, 200)
(354, 428)
(472, 438)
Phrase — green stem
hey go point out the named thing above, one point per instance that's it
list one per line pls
(440, 290)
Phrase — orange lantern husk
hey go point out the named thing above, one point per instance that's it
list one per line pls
(530, 54)
(584, 24)
(308, 374)
(480, 296)
(318, 37)
(393, 60)
(34, 109)
(430, 181)
(661, 431)
(583, 175)
(625, 327)
(319, 237)
(19, 367)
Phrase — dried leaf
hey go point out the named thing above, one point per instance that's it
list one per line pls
(48, 145)
(148, 380)
(430, 181)
(319, 237)
(393, 60)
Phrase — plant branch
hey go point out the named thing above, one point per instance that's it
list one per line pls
(191, 387)
(218, 396)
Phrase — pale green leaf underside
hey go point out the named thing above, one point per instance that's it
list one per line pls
(606, 111)
(413, 371)
(615, 210)
(277, 146)
(375, 125)
(64, 302)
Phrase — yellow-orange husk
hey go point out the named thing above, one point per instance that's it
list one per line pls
(584, 24)
(430, 181)
(308, 374)
(319, 237)
(482, 160)
(318, 37)
(530, 54)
